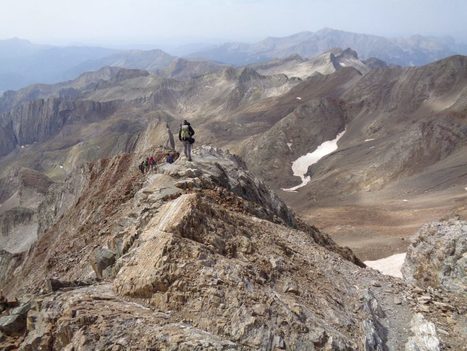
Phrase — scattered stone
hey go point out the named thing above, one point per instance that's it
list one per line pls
(291, 287)
(442, 331)
(418, 290)
(423, 308)
(443, 306)
(424, 299)
(185, 184)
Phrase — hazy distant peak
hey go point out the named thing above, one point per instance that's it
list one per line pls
(409, 51)
(16, 40)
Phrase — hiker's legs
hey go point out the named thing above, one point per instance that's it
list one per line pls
(186, 145)
(189, 151)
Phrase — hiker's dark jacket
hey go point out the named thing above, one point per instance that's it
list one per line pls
(190, 131)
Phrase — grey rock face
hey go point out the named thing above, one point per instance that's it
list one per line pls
(18, 228)
(45, 118)
(438, 256)
(102, 259)
(374, 332)
(424, 335)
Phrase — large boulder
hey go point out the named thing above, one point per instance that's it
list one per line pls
(15, 322)
(437, 257)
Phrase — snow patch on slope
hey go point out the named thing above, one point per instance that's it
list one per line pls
(389, 265)
(300, 166)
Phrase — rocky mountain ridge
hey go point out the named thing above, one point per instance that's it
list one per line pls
(326, 63)
(196, 256)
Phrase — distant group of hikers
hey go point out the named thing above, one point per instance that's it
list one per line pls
(185, 135)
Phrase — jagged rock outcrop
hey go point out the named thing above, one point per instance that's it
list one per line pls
(437, 256)
(206, 257)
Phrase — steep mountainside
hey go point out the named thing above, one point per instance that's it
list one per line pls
(405, 141)
(198, 256)
(415, 50)
(121, 103)
(393, 111)
(404, 131)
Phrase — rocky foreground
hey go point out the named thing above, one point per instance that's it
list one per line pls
(203, 256)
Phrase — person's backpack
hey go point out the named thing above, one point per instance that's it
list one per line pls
(185, 132)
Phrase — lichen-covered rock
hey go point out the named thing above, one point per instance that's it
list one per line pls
(437, 256)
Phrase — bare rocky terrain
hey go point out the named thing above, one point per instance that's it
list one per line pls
(208, 255)
(202, 256)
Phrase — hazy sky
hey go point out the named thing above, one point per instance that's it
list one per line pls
(152, 21)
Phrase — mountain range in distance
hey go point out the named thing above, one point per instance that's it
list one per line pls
(415, 50)
(23, 63)
(405, 133)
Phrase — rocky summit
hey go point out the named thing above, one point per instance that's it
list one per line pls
(201, 256)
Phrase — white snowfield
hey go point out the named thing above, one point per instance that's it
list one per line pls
(301, 164)
(390, 265)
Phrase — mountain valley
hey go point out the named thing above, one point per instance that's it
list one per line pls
(235, 250)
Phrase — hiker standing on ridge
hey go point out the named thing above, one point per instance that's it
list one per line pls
(185, 135)
(170, 143)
